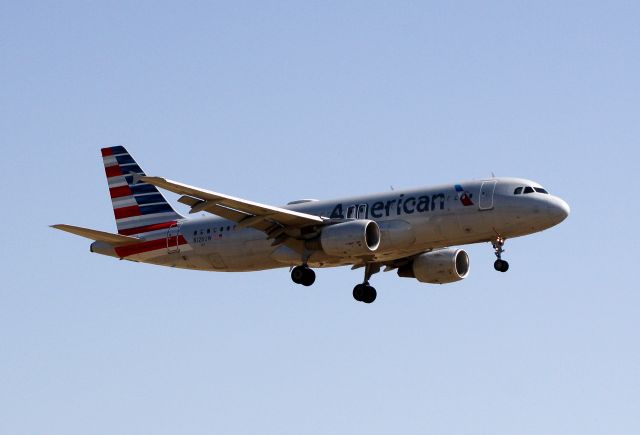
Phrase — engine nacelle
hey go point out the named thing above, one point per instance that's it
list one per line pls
(395, 234)
(438, 267)
(358, 237)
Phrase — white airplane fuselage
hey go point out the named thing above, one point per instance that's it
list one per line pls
(411, 231)
(410, 221)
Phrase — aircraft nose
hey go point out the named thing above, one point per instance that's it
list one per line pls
(558, 209)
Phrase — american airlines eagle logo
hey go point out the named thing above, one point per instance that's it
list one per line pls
(465, 196)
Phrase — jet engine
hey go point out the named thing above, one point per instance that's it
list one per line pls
(395, 234)
(358, 237)
(438, 267)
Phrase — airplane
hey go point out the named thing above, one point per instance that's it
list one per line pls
(413, 232)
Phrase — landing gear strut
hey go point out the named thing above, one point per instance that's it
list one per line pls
(365, 292)
(303, 275)
(500, 265)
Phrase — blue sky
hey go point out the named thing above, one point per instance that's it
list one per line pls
(274, 101)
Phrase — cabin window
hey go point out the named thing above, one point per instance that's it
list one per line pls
(518, 190)
(528, 189)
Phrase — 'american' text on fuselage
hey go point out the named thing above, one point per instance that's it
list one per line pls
(400, 206)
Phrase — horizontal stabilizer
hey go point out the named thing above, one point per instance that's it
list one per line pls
(100, 236)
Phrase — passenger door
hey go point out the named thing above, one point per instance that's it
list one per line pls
(486, 194)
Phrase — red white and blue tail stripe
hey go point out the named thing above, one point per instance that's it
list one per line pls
(139, 208)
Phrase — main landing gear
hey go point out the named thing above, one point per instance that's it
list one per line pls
(365, 292)
(500, 265)
(303, 275)
(362, 292)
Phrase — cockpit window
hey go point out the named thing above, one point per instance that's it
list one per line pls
(528, 189)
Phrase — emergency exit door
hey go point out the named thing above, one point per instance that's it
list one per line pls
(173, 242)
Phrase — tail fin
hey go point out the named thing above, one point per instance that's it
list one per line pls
(138, 207)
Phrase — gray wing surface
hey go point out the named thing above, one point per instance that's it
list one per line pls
(246, 213)
(100, 236)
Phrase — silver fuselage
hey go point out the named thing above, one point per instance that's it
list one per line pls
(424, 219)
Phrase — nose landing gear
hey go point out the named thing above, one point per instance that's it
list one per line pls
(303, 275)
(500, 265)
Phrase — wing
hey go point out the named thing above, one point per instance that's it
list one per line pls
(272, 220)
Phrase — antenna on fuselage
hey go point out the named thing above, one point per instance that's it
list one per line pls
(392, 189)
(493, 175)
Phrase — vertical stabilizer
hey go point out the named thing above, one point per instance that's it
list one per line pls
(138, 207)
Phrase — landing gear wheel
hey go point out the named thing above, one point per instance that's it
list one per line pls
(358, 292)
(297, 274)
(501, 265)
(370, 295)
(364, 293)
(309, 277)
(303, 275)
